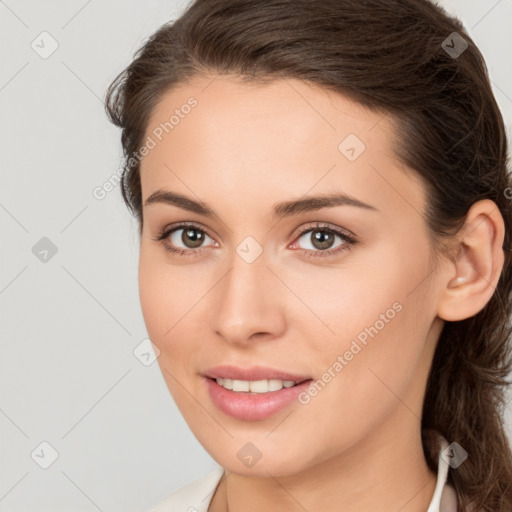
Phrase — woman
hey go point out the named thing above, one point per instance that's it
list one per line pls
(325, 257)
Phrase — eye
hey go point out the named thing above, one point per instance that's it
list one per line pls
(190, 235)
(321, 238)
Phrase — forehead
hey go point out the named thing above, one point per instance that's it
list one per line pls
(291, 109)
(260, 140)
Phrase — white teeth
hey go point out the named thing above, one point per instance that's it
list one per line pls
(258, 386)
(240, 385)
(255, 386)
(275, 385)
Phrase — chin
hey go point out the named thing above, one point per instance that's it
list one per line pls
(258, 458)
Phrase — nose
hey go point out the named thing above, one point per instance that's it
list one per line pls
(248, 303)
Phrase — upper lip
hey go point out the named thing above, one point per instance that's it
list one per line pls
(252, 373)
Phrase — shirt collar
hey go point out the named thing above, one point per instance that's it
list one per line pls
(444, 498)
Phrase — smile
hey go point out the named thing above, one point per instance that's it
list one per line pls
(253, 400)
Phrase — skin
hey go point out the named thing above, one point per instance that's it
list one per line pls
(356, 446)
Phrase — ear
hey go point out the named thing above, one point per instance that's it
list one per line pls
(473, 274)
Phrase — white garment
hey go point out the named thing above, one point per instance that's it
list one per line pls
(197, 495)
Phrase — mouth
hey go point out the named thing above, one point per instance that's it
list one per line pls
(253, 394)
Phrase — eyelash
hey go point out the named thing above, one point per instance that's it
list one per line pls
(349, 240)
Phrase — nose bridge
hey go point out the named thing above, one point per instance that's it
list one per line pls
(246, 300)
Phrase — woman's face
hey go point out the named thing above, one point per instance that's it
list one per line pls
(258, 292)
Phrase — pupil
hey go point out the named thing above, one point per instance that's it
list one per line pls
(194, 235)
(323, 238)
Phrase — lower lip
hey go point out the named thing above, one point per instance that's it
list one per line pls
(253, 407)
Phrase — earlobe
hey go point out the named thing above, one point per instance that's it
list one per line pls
(474, 273)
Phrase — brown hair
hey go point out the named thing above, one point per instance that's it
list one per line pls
(394, 57)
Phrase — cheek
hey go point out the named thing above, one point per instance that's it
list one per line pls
(161, 292)
(375, 316)
(378, 351)
(161, 305)
(360, 302)
(153, 302)
(171, 298)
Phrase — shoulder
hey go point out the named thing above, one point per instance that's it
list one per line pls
(193, 497)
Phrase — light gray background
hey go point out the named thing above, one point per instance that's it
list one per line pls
(70, 325)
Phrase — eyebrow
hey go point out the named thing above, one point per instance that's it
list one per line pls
(279, 210)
